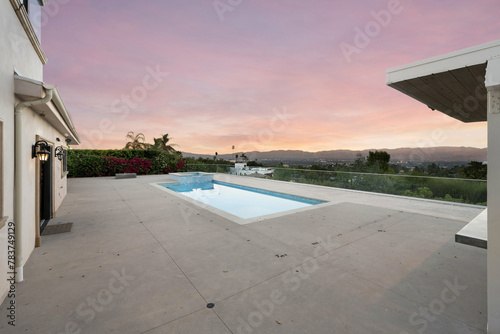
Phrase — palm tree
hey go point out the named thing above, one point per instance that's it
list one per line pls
(137, 141)
(236, 155)
(162, 144)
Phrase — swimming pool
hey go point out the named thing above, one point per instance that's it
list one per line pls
(240, 201)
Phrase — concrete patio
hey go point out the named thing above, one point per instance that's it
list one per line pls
(140, 260)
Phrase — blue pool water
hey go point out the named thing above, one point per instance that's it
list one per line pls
(241, 201)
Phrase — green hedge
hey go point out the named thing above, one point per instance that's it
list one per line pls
(91, 163)
(124, 154)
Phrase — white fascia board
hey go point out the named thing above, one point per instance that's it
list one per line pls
(57, 121)
(475, 55)
(57, 100)
(28, 87)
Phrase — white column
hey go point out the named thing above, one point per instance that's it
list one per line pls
(493, 86)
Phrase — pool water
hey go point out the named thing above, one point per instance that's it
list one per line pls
(243, 202)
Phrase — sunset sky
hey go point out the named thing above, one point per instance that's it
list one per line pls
(257, 74)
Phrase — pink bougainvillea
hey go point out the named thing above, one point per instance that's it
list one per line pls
(138, 166)
(89, 165)
(179, 167)
(134, 165)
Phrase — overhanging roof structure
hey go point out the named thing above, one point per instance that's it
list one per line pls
(54, 112)
(452, 83)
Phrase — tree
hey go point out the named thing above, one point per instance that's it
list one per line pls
(474, 170)
(417, 171)
(163, 145)
(137, 141)
(254, 164)
(433, 169)
(379, 160)
(244, 157)
(359, 163)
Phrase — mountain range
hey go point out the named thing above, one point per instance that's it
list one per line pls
(403, 154)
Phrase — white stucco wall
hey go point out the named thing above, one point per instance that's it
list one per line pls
(17, 52)
(34, 126)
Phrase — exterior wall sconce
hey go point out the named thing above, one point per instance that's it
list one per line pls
(43, 150)
(59, 152)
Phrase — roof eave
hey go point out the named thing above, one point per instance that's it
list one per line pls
(453, 83)
(26, 89)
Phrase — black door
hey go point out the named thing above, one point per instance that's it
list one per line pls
(45, 192)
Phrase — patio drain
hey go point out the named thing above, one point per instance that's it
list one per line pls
(210, 305)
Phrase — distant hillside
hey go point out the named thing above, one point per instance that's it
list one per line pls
(405, 154)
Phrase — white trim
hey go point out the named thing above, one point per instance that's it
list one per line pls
(475, 55)
(23, 17)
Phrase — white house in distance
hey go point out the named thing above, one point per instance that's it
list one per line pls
(34, 126)
(466, 85)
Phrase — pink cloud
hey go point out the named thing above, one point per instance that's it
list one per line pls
(227, 77)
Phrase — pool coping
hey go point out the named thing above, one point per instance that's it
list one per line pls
(236, 219)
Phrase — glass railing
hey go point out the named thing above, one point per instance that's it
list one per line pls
(225, 169)
(438, 188)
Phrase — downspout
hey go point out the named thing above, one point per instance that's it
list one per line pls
(18, 177)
